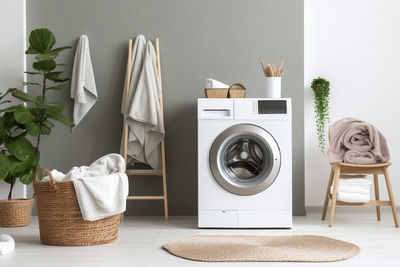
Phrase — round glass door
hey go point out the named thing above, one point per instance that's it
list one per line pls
(245, 159)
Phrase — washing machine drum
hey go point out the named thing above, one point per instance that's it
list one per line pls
(245, 159)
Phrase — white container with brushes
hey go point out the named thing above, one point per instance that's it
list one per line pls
(273, 79)
(273, 87)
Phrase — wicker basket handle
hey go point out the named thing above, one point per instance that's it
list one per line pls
(241, 86)
(53, 187)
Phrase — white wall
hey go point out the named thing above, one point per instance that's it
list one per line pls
(12, 60)
(355, 44)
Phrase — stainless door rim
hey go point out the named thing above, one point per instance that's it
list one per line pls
(215, 154)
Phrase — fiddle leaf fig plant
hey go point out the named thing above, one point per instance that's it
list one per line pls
(19, 157)
(320, 87)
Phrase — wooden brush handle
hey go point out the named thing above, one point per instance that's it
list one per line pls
(278, 71)
(264, 68)
(270, 71)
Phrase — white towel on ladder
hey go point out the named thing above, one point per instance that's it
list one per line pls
(83, 85)
(136, 61)
(143, 112)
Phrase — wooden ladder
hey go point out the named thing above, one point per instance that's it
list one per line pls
(134, 172)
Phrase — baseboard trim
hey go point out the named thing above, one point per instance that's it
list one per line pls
(299, 212)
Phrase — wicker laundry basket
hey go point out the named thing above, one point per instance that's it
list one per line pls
(216, 92)
(237, 90)
(60, 218)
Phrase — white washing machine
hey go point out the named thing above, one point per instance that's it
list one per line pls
(244, 163)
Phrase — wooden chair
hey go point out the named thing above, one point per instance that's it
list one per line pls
(339, 168)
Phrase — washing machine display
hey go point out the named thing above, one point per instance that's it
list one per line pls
(245, 159)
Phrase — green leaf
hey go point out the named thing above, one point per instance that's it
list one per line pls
(10, 109)
(48, 124)
(36, 112)
(18, 167)
(47, 56)
(22, 96)
(21, 168)
(21, 148)
(41, 40)
(31, 51)
(5, 101)
(27, 178)
(45, 130)
(5, 166)
(46, 65)
(38, 100)
(10, 90)
(57, 87)
(41, 174)
(33, 72)
(32, 128)
(56, 107)
(23, 115)
(55, 76)
(9, 120)
(61, 48)
(55, 115)
(32, 83)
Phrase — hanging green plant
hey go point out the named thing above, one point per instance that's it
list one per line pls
(320, 87)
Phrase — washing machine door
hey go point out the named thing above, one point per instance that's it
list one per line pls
(245, 159)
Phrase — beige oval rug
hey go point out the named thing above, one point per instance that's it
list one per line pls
(296, 248)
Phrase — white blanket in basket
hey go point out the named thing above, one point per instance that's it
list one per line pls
(101, 188)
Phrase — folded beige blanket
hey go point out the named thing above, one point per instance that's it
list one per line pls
(356, 141)
(354, 156)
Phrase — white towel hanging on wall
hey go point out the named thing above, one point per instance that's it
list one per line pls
(83, 85)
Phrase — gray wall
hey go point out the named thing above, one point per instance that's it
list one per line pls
(223, 39)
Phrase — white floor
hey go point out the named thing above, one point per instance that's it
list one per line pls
(140, 240)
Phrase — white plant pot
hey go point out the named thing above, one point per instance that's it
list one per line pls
(273, 87)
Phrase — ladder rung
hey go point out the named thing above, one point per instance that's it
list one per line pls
(145, 197)
(144, 172)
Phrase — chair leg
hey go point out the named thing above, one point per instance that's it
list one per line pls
(334, 195)
(391, 198)
(327, 194)
(376, 187)
(165, 196)
(163, 165)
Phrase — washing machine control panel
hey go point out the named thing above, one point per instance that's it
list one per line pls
(244, 109)
(263, 108)
(271, 107)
